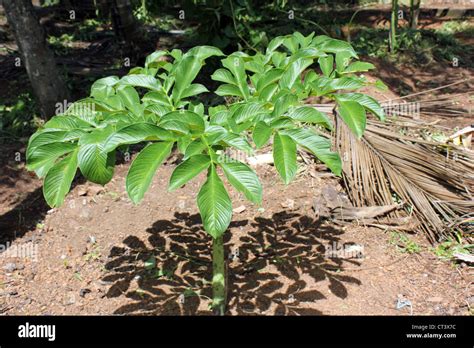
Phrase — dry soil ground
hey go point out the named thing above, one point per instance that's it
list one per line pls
(100, 254)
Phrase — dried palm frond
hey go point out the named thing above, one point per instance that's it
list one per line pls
(387, 165)
(403, 160)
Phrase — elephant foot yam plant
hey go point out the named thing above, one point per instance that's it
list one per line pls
(156, 105)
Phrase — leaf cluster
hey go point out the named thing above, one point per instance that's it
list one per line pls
(156, 105)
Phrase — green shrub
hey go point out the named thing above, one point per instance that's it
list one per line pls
(18, 119)
(418, 47)
(153, 105)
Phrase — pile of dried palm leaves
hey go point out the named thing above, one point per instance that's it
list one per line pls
(399, 162)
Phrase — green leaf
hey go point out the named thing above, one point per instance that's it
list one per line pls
(187, 170)
(284, 157)
(274, 44)
(353, 115)
(140, 80)
(301, 39)
(66, 122)
(186, 72)
(194, 148)
(44, 137)
(293, 72)
(247, 111)
(214, 134)
(158, 109)
(150, 264)
(368, 102)
(291, 43)
(310, 115)
(235, 64)
(282, 123)
(238, 142)
(343, 60)
(96, 164)
(226, 90)
(381, 86)
(346, 83)
(57, 182)
(283, 103)
(307, 53)
(143, 169)
(156, 97)
(194, 121)
(154, 57)
(84, 110)
(115, 102)
(214, 204)
(136, 133)
(130, 98)
(43, 157)
(358, 66)
(278, 59)
(268, 78)
(267, 93)
(335, 46)
(194, 89)
(223, 75)
(103, 88)
(47, 136)
(243, 179)
(197, 108)
(183, 142)
(179, 127)
(318, 146)
(204, 52)
(326, 64)
(261, 134)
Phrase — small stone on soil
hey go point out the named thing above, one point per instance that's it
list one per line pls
(83, 292)
(240, 209)
(10, 267)
(104, 282)
(289, 203)
(71, 299)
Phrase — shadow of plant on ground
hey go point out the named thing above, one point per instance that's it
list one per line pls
(268, 275)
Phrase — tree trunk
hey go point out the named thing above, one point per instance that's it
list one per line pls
(48, 86)
(414, 13)
(393, 26)
(124, 22)
(103, 7)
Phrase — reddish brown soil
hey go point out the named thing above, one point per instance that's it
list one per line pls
(281, 267)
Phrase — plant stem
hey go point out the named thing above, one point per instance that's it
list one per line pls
(393, 26)
(218, 277)
(414, 13)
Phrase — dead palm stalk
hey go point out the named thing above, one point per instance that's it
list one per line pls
(435, 181)
(402, 160)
